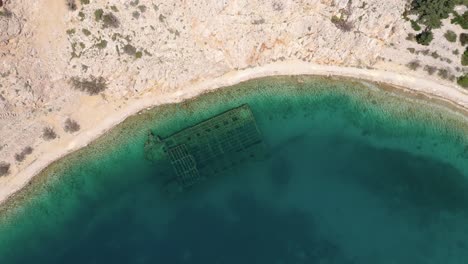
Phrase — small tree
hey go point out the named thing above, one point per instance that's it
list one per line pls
(425, 37)
(48, 133)
(4, 168)
(71, 126)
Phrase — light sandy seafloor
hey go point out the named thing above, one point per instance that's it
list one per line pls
(458, 98)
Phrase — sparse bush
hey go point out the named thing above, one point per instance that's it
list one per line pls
(86, 32)
(110, 20)
(71, 31)
(138, 54)
(424, 38)
(93, 85)
(341, 23)
(6, 13)
(4, 168)
(102, 44)
(410, 37)
(411, 50)
(71, 126)
(450, 36)
(22, 155)
(463, 81)
(443, 73)
(142, 8)
(136, 14)
(98, 14)
(84, 2)
(413, 65)
(71, 4)
(48, 133)
(129, 49)
(430, 69)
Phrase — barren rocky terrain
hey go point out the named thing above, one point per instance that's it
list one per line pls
(84, 60)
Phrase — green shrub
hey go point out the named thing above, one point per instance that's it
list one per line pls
(463, 81)
(102, 44)
(84, 2)
(464, 60)
(463, 38)
(98, 14)
(450, 36)
(461, 20)
(424, 38)
(415, 25)
(110, 20)
(86, 32)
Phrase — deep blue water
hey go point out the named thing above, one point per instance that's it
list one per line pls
(352, 175)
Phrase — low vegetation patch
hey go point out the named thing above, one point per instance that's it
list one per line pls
(424, 38)
(71, 126)
(93, 85)
(4, 168)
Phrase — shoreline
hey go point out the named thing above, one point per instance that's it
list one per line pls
(456, 98)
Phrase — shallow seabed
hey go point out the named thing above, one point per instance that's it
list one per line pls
(354, 174)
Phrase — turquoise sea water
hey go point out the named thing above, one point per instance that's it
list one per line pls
(354, 174)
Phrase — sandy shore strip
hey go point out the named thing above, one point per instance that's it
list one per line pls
(15, 182)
